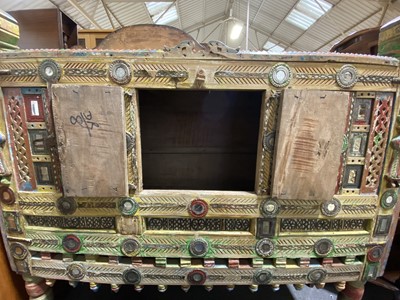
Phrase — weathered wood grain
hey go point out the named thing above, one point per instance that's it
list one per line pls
(310, 136)
(90, 127)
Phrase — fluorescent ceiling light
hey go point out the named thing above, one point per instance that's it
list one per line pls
(157, 9)
(307, 12)
(236, 30)
(269, 46)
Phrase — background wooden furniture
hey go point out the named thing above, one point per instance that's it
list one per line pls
(45, 28)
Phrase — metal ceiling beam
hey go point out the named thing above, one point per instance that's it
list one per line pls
(108, 14)
(114, 16)
(384, 10)
(178, 11)
(148, 13)
(84, 13)
(269, 35)
(326, 15)
(349, 28)
(209, 21)
(165, 11)
(283, 19)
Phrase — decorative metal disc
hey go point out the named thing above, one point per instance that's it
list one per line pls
(7, 196)
(375, 254)
(18, 250)
(269, 141)
(316, 276)
(130, 247)
(49, 71)
(198, 247)
(128, 206)
(76, 271)
(71, 243)
(120, 72)
(389, 199)
(198, 208)
(280, 75)
(269, 208)
(265, 247)
(197, 277)
(262, 277)
(67, 205)
(323, 247)
(346, 77)
(130, 141)
(331, 207)
(131, 276)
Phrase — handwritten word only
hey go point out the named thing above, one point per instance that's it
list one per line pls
(84, 120)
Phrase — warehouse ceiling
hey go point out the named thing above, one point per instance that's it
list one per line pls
(274, 25)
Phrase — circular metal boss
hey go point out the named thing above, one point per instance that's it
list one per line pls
(198, 247)
(131, 276)
(197, 277)
(280, 75)
(262, 277)
(67, 205)
(316, 276)
(389, 199)
(7, 195)
(128, 206)
(269, 208)
(375, 254)
(198, 208)
(76, 271)
(18, 250)
(331, 207)
(130, 247)
(71, 243)
(49, 71)
(269, 141)
(323, 247)
(265, 247)
(120, 72)
(346, 77)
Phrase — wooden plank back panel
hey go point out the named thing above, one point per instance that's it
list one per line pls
(90, 127)
(309, 143)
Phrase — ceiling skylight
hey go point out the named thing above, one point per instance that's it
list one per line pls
(157, 9)
(269, 46)
(307, 12)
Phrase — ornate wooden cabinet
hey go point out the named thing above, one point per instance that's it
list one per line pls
(197, 167)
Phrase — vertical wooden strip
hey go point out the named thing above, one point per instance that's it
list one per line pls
(90, 127)
(266, 142)
(307, 147)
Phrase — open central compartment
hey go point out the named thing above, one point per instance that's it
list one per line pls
(199, 140)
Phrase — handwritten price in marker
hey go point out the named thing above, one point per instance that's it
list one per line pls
(85, 121)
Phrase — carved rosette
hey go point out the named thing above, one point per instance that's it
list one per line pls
(49, 71)
(76, 271)
(131, 276)
(346, 77)
(196, 277)
(280, 75)
(331, 207)
(269, 208)
(265, 247)
(262, 277)
(120, 72)
(130, 247)
(198, 247)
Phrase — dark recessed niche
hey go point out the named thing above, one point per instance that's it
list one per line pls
(199, 140)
